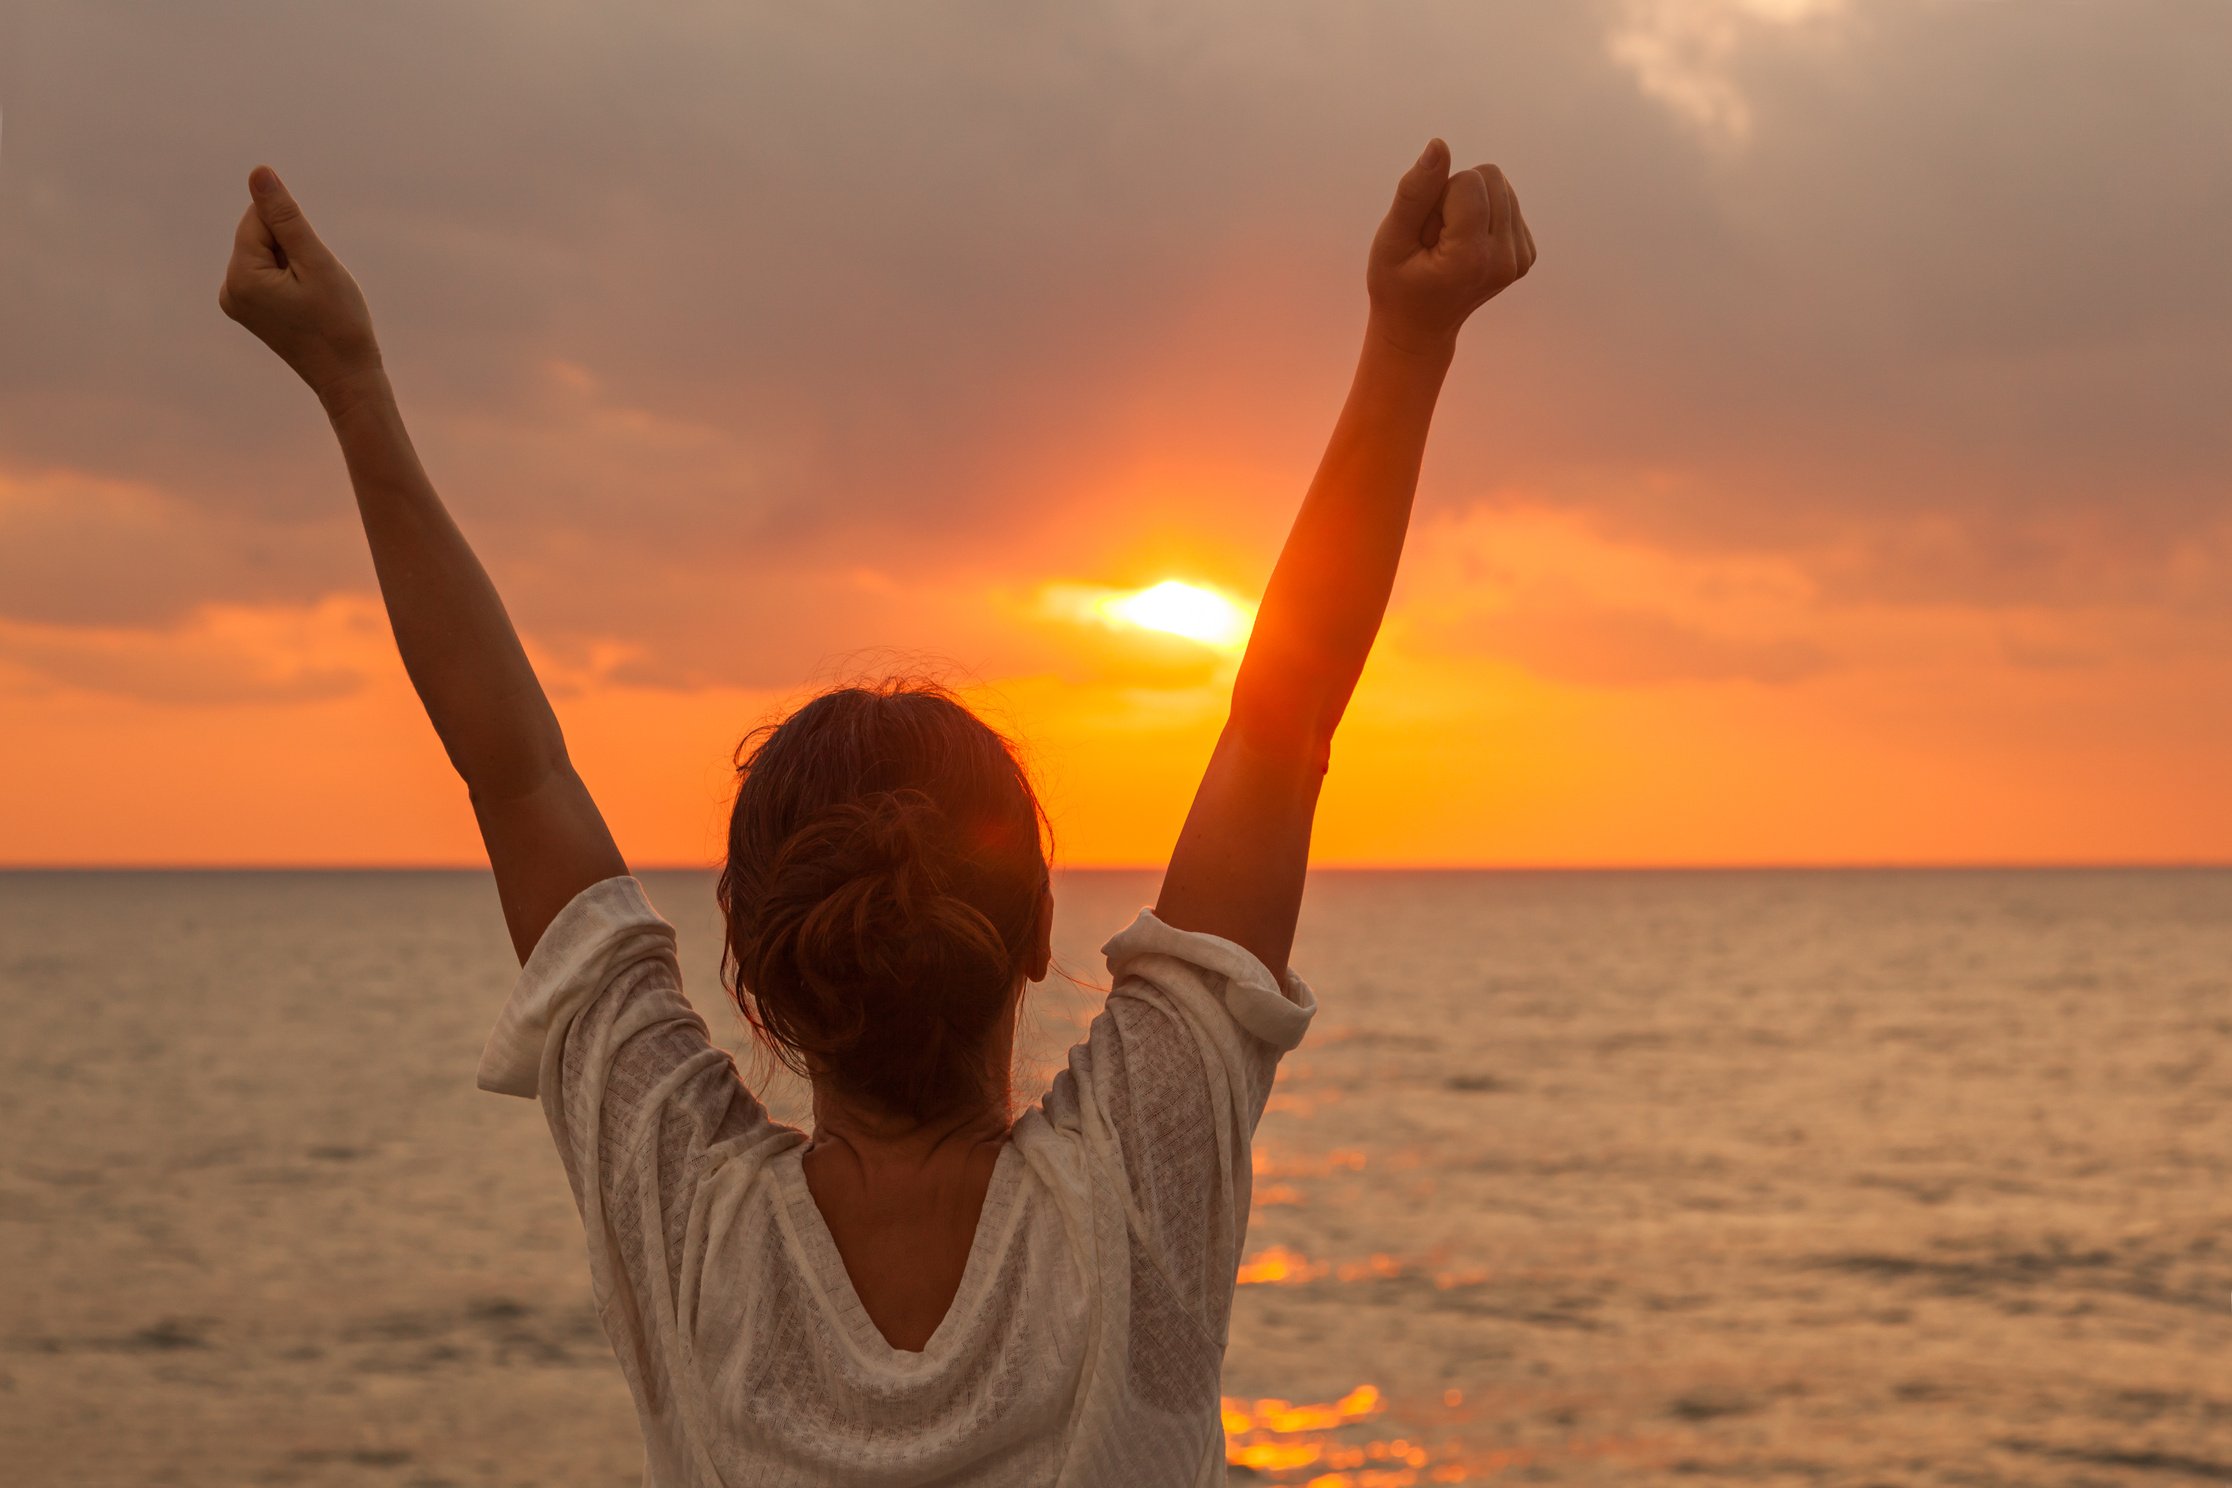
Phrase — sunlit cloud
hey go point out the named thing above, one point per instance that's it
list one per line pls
(1552, 593)
(1684, 53)
(217, 654)
(81, 548)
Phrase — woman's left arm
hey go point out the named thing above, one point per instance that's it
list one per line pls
(545, 838)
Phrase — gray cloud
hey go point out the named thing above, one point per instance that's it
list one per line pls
(859, 286)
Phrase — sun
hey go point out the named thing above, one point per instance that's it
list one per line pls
(1181, 609)
(1174, 607)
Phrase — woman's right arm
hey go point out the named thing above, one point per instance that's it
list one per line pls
(546, 840)
(1449, 243)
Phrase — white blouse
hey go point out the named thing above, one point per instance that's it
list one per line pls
(1085, 1343)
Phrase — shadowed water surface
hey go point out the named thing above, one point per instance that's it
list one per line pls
(1773, 1178)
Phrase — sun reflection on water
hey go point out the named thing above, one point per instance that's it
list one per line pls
(1339, 1160)
(1330, 1445)
(1283, 1265)
(1363, 1440)
(1279, 1266)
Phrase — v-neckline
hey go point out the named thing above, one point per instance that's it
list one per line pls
(812, 1232)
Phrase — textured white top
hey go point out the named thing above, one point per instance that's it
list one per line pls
(1087, 1338)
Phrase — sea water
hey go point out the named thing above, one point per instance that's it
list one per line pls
(1778, 1177)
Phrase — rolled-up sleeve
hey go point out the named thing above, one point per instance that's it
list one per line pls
(638, 1098)
(1169, 1084)
(602, 933)
(1192, 967)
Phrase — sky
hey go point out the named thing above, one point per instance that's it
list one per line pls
(1846, 484)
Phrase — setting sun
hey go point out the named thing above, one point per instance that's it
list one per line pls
(1183, 609)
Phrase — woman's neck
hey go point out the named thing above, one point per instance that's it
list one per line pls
(889, 1142)
(878, 1139)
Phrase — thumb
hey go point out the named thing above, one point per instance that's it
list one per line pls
(1467, 215)
(1418, 193)
(281, 215)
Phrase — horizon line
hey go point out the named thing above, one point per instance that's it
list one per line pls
(1877, 865)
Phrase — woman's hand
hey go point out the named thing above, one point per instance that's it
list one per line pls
(289, 289)
(1450, 244)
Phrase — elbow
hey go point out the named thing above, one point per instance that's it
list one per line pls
(1287, 717)
(1293, 687)
(496, 775)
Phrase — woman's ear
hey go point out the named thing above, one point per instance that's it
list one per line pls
(1042, 955)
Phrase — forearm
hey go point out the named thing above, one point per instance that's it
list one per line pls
(457, 644)
(1329, 591)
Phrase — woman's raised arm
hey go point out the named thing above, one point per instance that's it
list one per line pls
(545, 838)
(1448, 244)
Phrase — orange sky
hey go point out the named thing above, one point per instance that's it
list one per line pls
(1847, 484)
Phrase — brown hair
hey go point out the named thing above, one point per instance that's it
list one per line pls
(886, 857)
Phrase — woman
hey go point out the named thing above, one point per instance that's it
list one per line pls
(925, 1289)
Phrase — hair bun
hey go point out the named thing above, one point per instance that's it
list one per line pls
(860, 917)
(883, 894)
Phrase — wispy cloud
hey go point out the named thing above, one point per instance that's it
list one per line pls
(1687, 53)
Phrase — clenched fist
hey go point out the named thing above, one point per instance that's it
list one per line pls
(1450, 243)
(289, 289)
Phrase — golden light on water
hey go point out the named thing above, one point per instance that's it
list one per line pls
(1364, 1440)
(1334, 1445)
(1282, 1265)
(1279, 1266)
(1354, 1441)
(1286, 1417)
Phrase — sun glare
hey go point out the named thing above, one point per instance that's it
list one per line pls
(1194, 612)
(1182, 609)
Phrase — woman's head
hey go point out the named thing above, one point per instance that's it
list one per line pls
(885, 894)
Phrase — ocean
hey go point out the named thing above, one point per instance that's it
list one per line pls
(1809, 1177)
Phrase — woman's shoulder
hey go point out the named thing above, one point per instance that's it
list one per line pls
(1192, 965)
